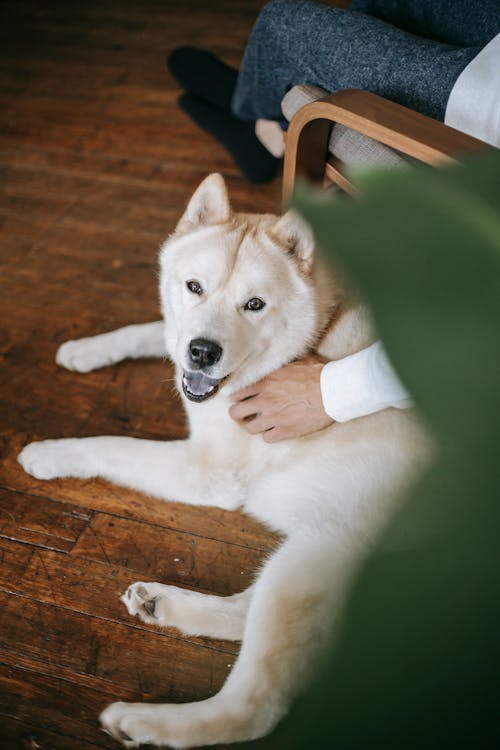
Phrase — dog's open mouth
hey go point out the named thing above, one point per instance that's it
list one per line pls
(198, 387)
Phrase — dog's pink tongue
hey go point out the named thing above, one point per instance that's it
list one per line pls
(199, 384)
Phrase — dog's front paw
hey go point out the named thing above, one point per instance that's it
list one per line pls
(49, 459)
(130, 724)
(84, 355)
(145, 600)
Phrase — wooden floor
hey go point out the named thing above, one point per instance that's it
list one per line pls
(97, 163)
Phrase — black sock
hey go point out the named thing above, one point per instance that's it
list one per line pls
(201, 73)
(237, 136)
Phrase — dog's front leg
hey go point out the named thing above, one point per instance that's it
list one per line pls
(168, 470)
(130, 342)
(191, 612)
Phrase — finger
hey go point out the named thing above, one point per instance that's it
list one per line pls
(256, 425)
(243, 410)
(273, 435)
(245, 393)
(276, 434)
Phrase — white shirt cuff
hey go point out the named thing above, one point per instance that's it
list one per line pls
(361, 384)
(474, 103)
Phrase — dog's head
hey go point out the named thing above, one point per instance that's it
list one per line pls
(237, 292)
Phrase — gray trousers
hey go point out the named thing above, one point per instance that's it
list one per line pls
(298, 41)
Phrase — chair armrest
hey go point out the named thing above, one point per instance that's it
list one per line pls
(398, 127)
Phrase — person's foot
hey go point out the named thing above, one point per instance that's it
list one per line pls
(237, 136)
(270, 134)
(201, 73)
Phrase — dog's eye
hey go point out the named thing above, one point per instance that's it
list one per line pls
(254, 304)
(194, 287)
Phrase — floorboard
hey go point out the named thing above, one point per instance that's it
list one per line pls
(96, 165)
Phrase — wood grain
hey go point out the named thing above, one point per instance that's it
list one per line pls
(166, 668)
(96, 166)
(29, 736)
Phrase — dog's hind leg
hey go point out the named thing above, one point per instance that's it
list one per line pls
(191, 612)
(288, 620)
(131, 342)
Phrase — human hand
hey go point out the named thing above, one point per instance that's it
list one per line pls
(285, 404)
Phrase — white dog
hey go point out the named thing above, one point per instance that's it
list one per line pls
(241, 296)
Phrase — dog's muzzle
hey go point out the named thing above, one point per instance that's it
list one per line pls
(196, 384)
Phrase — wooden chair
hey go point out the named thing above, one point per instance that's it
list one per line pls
(404, 136)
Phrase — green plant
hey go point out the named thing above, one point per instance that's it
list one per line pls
(417, 660)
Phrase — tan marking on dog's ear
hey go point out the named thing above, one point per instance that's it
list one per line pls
(296, 238)
(209, 205)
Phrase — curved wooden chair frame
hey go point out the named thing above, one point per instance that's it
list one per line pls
(406, 131)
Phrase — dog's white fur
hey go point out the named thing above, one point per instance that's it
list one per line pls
(328, 493)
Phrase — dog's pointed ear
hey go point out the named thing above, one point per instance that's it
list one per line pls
(296, 238)
(209, 205)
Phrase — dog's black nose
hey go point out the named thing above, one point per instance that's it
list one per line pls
(204, 353)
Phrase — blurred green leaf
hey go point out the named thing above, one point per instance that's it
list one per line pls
(416, 663)
(425, 250)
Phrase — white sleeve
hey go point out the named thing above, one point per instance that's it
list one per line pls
(474, 103)
(361, 384)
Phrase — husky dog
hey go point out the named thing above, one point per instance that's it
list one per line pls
(241, 296)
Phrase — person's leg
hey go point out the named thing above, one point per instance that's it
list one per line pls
(203, 75)
(209, 85)
(297, 41)
(237, 136)
(461, 22)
